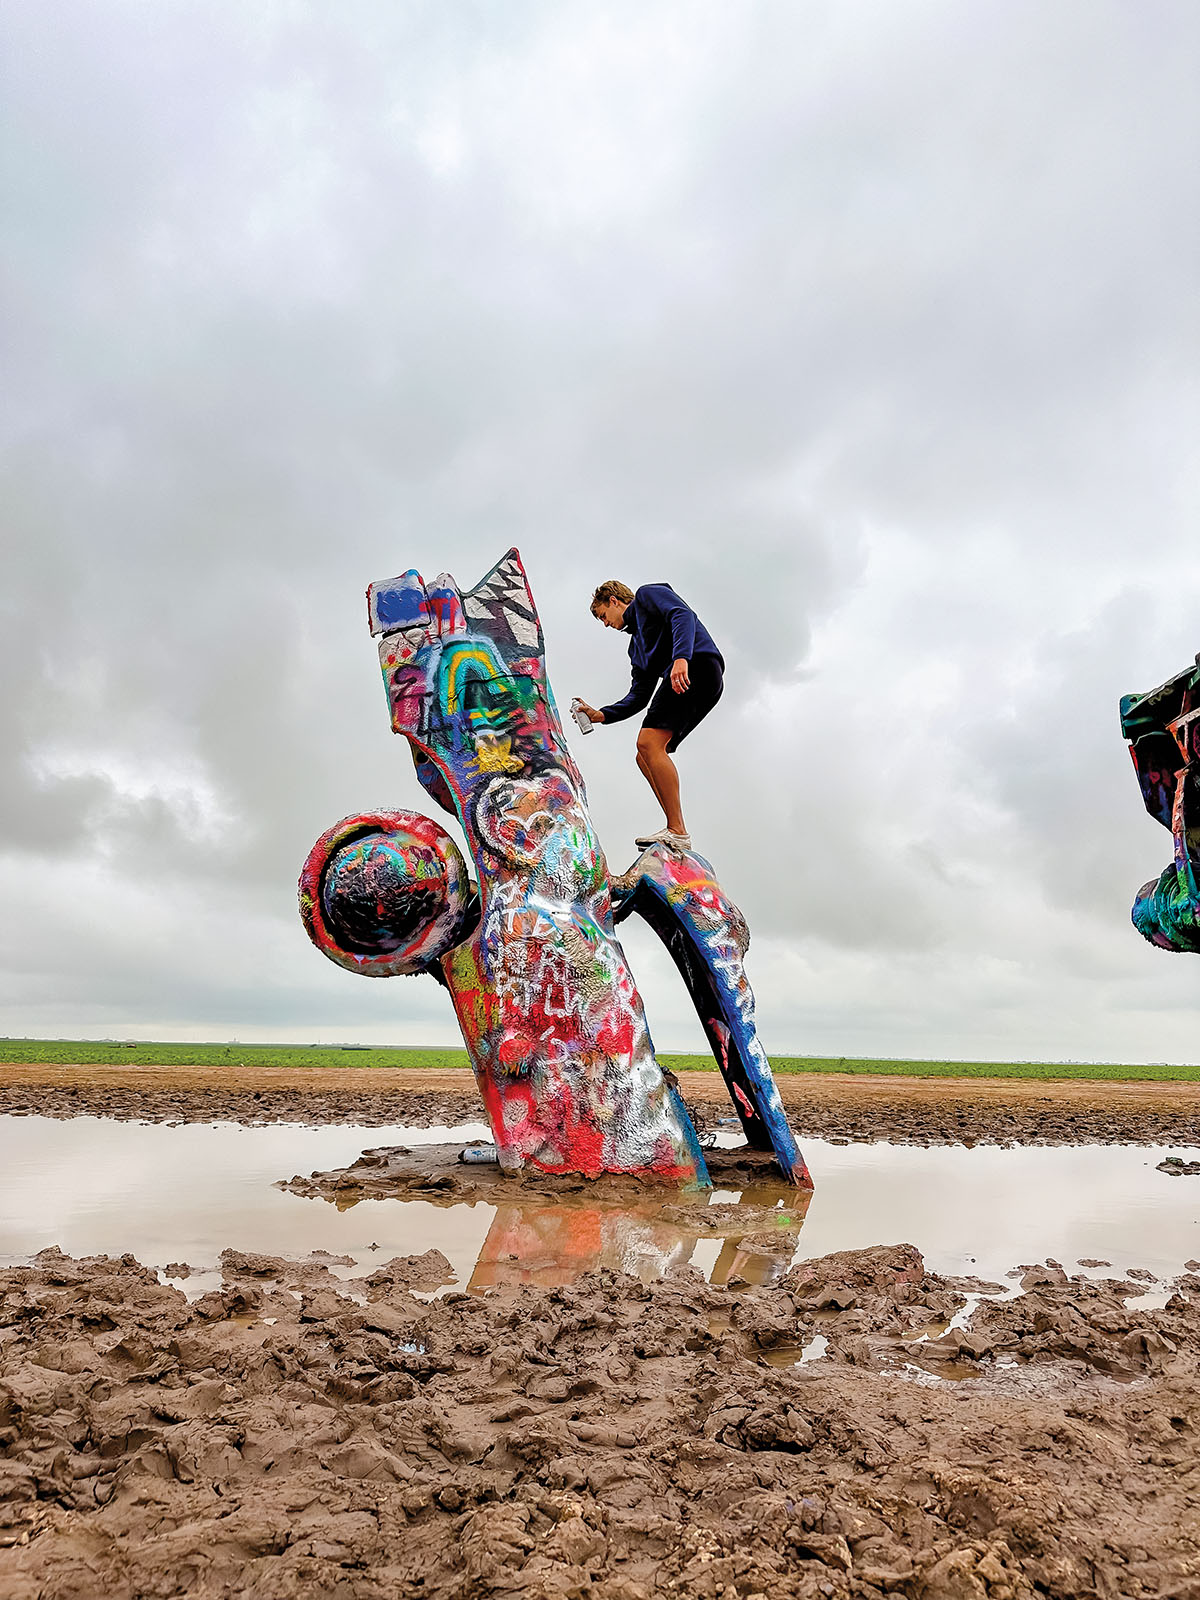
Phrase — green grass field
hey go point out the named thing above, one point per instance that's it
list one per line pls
(93, 1052)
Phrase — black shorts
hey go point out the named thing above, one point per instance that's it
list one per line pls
(680, 713)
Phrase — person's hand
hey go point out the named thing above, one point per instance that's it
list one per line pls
(590, 711)
(679, 676)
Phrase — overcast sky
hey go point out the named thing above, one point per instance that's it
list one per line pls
(871, 327)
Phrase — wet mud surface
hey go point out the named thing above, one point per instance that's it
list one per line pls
(830, 1106)
(348, 1422)
(433, 1171)
(291, 1434)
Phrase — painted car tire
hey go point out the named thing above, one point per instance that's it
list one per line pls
(385, 893)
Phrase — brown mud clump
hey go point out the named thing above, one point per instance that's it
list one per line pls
(611, 1440)
(434, 1172)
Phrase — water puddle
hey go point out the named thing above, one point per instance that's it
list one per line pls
(184, 1193)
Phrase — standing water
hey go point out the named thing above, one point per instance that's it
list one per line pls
(184, 1193)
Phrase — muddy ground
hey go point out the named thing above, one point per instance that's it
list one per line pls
(827, 1105)
(851, 1426)
(276, 1439)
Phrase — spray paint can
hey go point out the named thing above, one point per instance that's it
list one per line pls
(479, 1155)
(582, 721)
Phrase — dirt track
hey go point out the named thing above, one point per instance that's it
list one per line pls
(825, 1105)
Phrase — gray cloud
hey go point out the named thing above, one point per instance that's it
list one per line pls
(870, 328)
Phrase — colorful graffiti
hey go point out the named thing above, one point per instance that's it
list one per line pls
(386, 893)
(1163, 730)
(677, 893)
(544, 995)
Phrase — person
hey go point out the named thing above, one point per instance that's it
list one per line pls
(677, 671)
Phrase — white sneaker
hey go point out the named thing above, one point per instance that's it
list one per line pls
(677, 841)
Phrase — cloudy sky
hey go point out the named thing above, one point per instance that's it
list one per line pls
(870, 326)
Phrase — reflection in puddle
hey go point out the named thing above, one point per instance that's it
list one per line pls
(185, 1193)
(548, 1244)
(541, 1240)
(920, 1375)
(795, 1355)
(538, 1242)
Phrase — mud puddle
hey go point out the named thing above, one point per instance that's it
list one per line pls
(793, 1428)
(183, 1194)
(607, 1440)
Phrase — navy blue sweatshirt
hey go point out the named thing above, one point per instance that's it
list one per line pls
(663, 629)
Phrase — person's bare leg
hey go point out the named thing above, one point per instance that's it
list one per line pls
(661, 774)
(644, 769)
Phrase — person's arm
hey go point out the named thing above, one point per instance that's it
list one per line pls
(682, 619)
(638, 698)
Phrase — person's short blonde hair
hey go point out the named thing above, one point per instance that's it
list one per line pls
(611, 589)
